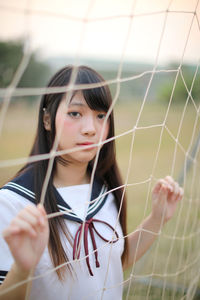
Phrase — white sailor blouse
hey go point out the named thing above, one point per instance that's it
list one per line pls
(97, 240)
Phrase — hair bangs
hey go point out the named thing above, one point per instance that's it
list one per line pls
(96, 98)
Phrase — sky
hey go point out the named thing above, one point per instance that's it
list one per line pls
(106, 29)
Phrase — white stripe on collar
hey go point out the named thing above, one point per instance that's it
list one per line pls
(21, 188)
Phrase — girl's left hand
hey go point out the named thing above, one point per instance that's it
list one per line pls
(165, 196)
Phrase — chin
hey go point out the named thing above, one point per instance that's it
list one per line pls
(82, 158)
(86, 159)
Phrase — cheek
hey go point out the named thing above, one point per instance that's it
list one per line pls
(65, 125)
(106, 131)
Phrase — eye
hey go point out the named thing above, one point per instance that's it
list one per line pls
(101, 116)
(74, 114)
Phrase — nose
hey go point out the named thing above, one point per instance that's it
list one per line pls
(89, 127)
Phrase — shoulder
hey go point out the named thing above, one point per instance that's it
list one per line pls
(12, 199)
(10, 204)
(14, 196)
(21, 187)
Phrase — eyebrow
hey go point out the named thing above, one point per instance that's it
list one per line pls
(77, 104)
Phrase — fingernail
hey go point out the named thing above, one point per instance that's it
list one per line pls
(41, 207)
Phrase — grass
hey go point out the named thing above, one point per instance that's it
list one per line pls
(17, 136)
(175, 260)
(174, 257)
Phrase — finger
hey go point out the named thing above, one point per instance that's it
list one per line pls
(177, 191)
(161, 184)
(176, 188)
(40, 207)
(170, 181)
(23, 226)
(180, 194)
(27, 216)
(158, 185)
(163, 193)
(10, 231)
(174, 184)
(33, 210)
(42, 211)
(43, 215)
(38, 212)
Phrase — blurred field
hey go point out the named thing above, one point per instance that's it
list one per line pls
(174, 258)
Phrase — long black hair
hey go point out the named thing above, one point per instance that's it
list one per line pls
(99, 99)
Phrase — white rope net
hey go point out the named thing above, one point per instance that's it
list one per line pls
(152, 139)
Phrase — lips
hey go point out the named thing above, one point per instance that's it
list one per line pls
(85, 144)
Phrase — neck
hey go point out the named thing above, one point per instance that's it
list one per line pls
(70, 174)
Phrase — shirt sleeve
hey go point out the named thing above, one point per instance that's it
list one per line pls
(10, 205)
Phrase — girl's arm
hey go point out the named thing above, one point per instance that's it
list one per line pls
(27, 237)
(165, 197)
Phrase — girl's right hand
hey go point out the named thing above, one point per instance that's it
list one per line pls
(27, 236)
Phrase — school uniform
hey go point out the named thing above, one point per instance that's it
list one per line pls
(93, 224)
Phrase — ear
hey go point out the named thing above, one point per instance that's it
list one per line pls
(47, 121)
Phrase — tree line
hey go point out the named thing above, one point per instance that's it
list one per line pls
(38, 72)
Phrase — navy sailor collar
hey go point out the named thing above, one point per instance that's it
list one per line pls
(24, 185)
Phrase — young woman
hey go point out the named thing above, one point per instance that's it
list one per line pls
(81, 253)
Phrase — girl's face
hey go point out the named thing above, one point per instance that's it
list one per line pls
(79, 126)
